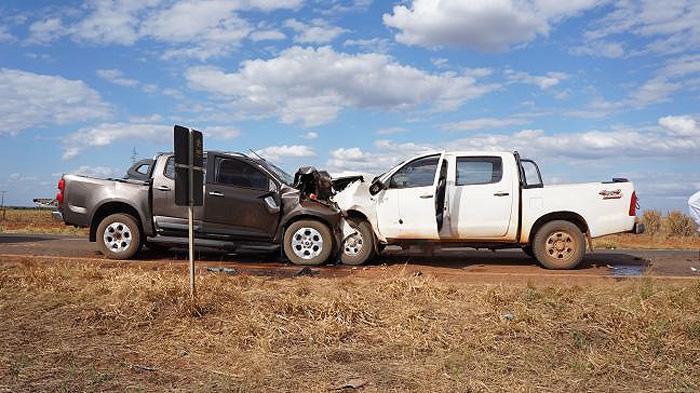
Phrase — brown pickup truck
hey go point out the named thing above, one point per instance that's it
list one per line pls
(249, 204)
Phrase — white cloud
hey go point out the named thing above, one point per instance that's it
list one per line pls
(312, 85)
(46, 31)
(309, 135)
(35, 100)
(267, 35)
(482, 25)
(682, 66)
(677, 136)
(279, 153)
(188, 28)
(4, 35)
(392, 131)
(483, 123)
(680, 125)
(95, 171)
(375, 45)
(543, 82)
(117, 77)
(105, 134)
(656, 27)
(221, 133)
(316, 32)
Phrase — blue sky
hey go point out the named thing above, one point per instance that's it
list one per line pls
(589, 89)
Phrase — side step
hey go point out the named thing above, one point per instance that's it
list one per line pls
(260, 247)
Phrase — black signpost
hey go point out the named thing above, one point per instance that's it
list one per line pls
(189, 180)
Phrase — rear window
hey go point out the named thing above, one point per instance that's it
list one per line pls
(479, 170)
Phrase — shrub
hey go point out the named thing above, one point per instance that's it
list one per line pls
(679, 224)
(652, 221)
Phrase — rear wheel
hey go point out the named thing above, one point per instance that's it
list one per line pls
(119, 236)
(308, 242)
(559, 245)
(359, 247)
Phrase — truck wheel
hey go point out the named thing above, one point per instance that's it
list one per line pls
(358, 248)
(559, 245)
(308, 242)
(119, 236)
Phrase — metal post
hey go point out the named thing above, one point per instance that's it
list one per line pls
(2, 204)
(190, 223)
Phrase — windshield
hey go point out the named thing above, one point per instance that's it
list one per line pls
(284, 176)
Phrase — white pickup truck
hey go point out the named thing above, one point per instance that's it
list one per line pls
(488, 200)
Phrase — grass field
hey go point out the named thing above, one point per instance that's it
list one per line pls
(85, 325)
(79, 326)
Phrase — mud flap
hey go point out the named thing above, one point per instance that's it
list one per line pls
(590, 240)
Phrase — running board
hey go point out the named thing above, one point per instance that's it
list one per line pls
(220, 244)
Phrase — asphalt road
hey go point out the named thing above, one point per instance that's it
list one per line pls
(454, 264)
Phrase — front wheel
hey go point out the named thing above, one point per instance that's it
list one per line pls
(119, 236)
(308, 242)
(559, 245)
(358, 248)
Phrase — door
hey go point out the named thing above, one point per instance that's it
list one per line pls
(167, 215)
(407, 208)
(483, 198)
(241, 201)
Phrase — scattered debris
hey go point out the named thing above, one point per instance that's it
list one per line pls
(353, 383)
(228, 270)
(417, 274)
(508, 316)
(611, 267)
(305, 271)
(142, 367)
(693, 269)
(383, 266)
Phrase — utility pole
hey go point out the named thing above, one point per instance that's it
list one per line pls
(2, 204)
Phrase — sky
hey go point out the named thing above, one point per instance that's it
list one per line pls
(590, 89)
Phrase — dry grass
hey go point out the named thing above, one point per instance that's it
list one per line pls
(34, 221)
(76, 326)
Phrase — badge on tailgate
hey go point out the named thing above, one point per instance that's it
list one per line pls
(613, 194)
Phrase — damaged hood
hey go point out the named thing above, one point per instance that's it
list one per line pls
(319, 184)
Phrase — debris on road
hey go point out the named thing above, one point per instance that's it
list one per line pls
(353, 383)
(228, 270)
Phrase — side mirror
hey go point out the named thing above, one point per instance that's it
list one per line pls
(377, 185)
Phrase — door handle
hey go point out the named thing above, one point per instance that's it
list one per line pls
(501, 193)
(163, 188)
(426, 196)
(216, 194)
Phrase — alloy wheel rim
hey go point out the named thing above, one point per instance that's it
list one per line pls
(117, 237)
(307, 243)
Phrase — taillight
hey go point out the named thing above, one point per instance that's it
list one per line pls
(61, 188)
(633, 204)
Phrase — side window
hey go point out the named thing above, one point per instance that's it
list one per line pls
(169, 171)
(170, 168)
(239, 174)
(479, 170)
(419, 173)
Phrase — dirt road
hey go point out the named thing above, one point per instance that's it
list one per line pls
(464, 265)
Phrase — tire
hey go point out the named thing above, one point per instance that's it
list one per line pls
(119, 236)
(528, 251)
(358, 248)
(308, 242)
(559, 245)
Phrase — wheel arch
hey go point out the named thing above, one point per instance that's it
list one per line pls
(572, 217)
(110, 208)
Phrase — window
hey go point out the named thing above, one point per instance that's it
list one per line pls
(239, 174)
(479, 170)
(169, 171)
(419, 173)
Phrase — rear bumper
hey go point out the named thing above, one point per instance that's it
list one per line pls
(57, 215)
(637, 228)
